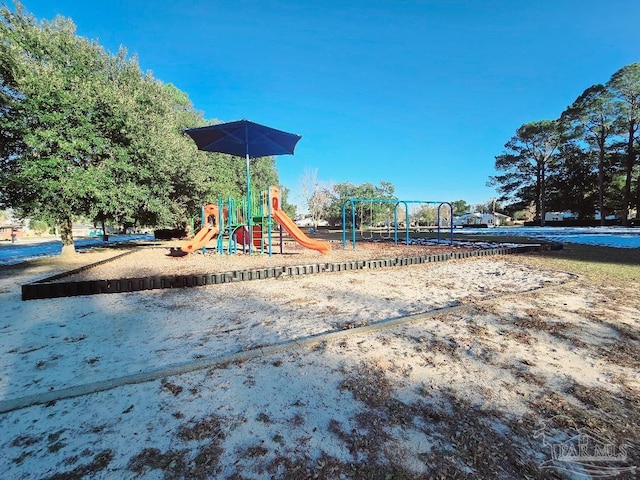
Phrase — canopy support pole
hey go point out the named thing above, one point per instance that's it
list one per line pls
(249, 214)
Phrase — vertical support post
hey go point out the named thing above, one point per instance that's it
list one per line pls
(250, 219)
(353, 221)
(438, 223)
(406, 222)
(202, 225)
(221, 227)
(451, 223)
(395, 224)
(267, 195)
(232, 219)
(344, 224)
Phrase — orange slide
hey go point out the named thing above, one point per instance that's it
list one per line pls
(206, 233)
(291, 228)
(299, 236)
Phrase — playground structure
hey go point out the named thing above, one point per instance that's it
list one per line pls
(209, 230)
(232, 228)
(441, 216)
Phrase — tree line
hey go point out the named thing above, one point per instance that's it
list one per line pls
(325, 203)
(86, 133)
(585, 161)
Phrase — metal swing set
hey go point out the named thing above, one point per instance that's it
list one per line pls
(447, 206)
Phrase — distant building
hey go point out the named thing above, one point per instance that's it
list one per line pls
(559, 216)
(7, 232)
(304, 221)
(85, 230)
(307, 221)
(609, 217)
(11, 227)
(567, 215)
(478, 219)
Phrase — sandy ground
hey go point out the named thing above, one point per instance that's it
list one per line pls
(477, 368)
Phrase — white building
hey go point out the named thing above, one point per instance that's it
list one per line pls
(478, 219)
(559, 216)
(307, 221)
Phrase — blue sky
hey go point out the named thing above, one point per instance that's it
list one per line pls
(422, 94)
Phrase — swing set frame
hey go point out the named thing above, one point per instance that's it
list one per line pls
(353, 201)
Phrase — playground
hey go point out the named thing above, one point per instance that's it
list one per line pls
(231, 245)
(226, 228)
(230, 225)
(153, 260)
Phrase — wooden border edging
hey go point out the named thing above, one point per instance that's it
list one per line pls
(48, 288)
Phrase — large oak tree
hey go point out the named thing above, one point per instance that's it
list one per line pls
(86, 133)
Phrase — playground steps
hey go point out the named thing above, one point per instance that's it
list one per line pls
(258, 239)
(241, 235)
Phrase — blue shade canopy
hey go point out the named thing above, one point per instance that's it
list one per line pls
(244, 139)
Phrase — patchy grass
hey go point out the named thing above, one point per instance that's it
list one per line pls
(600, 264)
(614, 416)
